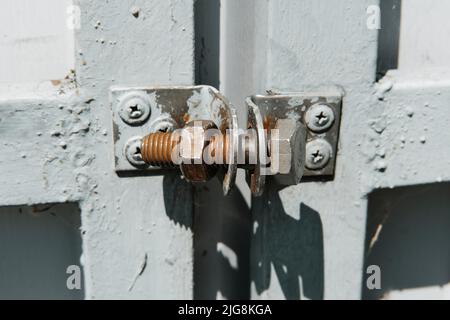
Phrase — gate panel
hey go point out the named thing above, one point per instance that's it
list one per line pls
(57, 147)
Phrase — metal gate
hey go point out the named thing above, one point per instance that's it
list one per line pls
(154, 235)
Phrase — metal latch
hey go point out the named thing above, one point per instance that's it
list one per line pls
(291, 137)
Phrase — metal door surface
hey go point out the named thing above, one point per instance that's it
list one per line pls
(134, 237)
(387, 207)
(376, 229)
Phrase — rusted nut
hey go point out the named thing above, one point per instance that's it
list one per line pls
(287, 151)
(194, 140)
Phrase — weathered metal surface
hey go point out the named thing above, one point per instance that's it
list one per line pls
(389, 136)
(256, 178)
(302, 234)
(44, 143)
(57, 147)
(173, 108)
(139, 112)
(288, 144)
(296, 106)
(135, 246)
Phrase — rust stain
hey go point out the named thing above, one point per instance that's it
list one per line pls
(224, 119)
(269, 122)
(55, 82)
(186, 118)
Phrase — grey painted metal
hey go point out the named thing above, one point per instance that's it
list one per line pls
(38, 244)
(57, 148)
(309, 240)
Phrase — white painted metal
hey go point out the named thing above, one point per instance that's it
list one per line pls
(424, 34)
(35, 42)
(57, 147)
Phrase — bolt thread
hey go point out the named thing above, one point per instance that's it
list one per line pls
(157, 148)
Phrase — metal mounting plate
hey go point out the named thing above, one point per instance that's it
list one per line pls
(276, 106)
(170, 108)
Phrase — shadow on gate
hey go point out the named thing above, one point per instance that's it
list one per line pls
(287, 250)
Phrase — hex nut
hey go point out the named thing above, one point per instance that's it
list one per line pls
(192, 145)
(319, 118)
(134, 108)
(289, 162)
(318, 154)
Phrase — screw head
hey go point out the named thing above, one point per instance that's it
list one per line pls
(134, 108)
(163, 124)
(133, 152)
(319, 118)
(318, 154)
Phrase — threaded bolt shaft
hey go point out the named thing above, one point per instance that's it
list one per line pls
(157, 148)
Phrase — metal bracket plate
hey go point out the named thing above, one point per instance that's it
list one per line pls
(138, 112)
(322, 133)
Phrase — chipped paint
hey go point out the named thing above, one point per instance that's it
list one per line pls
(66, 136)
(287, 46)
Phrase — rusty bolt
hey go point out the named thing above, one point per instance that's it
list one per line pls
(186, 148)
(157, 149)
(199, 149)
